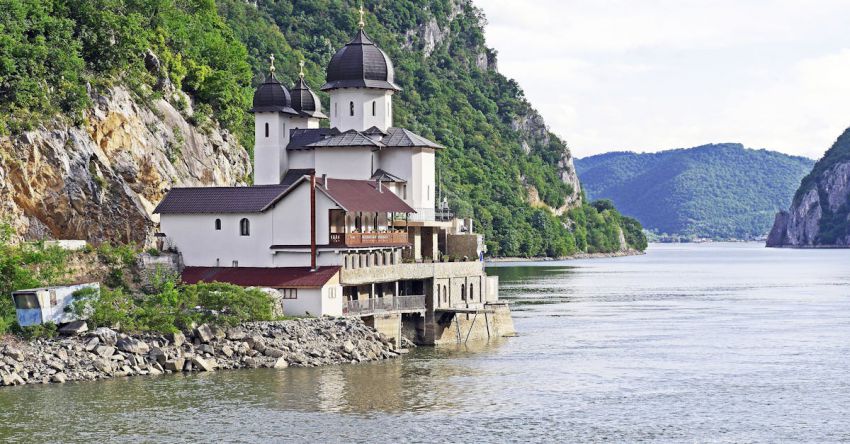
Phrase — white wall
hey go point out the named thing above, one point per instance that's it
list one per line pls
(344, 163)
(340, 110)
(269, 156)
(291, 218)
(201, 244)
(325, 301)
(299, 159)
(417, 167)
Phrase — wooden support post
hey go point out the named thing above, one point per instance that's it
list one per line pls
(470, 327)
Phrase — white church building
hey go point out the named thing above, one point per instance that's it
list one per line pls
(342, 218)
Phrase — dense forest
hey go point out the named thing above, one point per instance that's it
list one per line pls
(54, 53)
(721, 191)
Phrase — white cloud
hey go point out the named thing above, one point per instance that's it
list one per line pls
(650, 75)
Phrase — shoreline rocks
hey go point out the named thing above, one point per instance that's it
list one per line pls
(104, 353)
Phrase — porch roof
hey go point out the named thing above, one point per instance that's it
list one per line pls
(363, 195)
(274, 277)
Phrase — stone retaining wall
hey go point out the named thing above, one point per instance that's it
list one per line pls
(104, 353)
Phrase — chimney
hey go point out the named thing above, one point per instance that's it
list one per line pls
(380, 185)
(313, 222)
(325, 181)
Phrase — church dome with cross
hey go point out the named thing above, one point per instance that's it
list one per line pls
(360, 64)
(272, 96)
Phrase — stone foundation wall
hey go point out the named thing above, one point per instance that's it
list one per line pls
(456, 328)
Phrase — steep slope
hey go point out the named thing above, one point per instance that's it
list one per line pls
(820, 213)
(106, 103)
(714, 191)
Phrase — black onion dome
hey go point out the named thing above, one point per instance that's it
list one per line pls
(271, 96)
(360, 64)
(305, 101)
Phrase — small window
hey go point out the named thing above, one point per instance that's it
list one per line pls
(471, 292)
(235, 264)
(351, 108)
(267, 129)
(289, 293)
(336, 110)
(244, 227)
(26, 301)
(374, 107)
(445, 294)
(462, 292)
(218, 224)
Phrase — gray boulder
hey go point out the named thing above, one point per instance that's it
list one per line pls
(74, 328)
(132, 345)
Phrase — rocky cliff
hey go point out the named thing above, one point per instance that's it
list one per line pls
(101, 180)
(820, 213)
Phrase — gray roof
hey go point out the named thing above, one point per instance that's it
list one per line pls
(305, 101)
(360, 64)
(400, 137)
(348, 138)
(372, 137)
(384, 176)
(271, 96)
(225, 200)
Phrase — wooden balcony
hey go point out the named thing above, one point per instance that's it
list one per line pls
(376, 239)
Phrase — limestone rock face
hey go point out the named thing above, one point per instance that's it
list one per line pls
(803, 224)
(100, 180)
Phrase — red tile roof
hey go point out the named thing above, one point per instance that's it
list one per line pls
(281, 277)
(363, 195)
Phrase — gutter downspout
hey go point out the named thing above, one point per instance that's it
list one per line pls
(313, 222)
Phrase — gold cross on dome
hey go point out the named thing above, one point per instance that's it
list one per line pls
(362, 12)
(271, 66)
(301, 69)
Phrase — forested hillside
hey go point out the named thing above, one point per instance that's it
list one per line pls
(722, 191)
(189, 67)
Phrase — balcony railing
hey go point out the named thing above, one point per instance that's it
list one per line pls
(371, 306)
(431, 214)
(369, 239)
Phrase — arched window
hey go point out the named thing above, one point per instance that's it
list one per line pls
(445, 294)
(244, 227)
(374, 107)
(267, 129)
(462, 292)
(351, 108)
(218, 224)
(471, 292)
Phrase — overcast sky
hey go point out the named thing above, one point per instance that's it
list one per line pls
(647, 75)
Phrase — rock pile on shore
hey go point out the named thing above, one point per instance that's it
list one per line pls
(104, 353)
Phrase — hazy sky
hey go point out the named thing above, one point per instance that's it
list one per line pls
(647, 75)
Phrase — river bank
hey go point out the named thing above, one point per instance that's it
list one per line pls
(567, 258)
(104, 353)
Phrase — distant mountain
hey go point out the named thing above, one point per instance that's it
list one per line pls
(722, 191)
(820, 213)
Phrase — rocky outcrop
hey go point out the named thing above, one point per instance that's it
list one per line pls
(100, 180)
(820, 213)
(103, 353)
(533, 132)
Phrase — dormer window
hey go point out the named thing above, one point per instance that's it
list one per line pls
(351, 108)
(218, 225)
(267, 129)
(244, 227)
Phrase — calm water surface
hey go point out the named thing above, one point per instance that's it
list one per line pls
(696, 343)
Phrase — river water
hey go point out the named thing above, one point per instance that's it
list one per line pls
(688, 343)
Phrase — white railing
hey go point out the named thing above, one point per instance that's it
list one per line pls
(370, 306)
(431, 214)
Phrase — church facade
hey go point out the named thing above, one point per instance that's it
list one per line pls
(342, 218)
